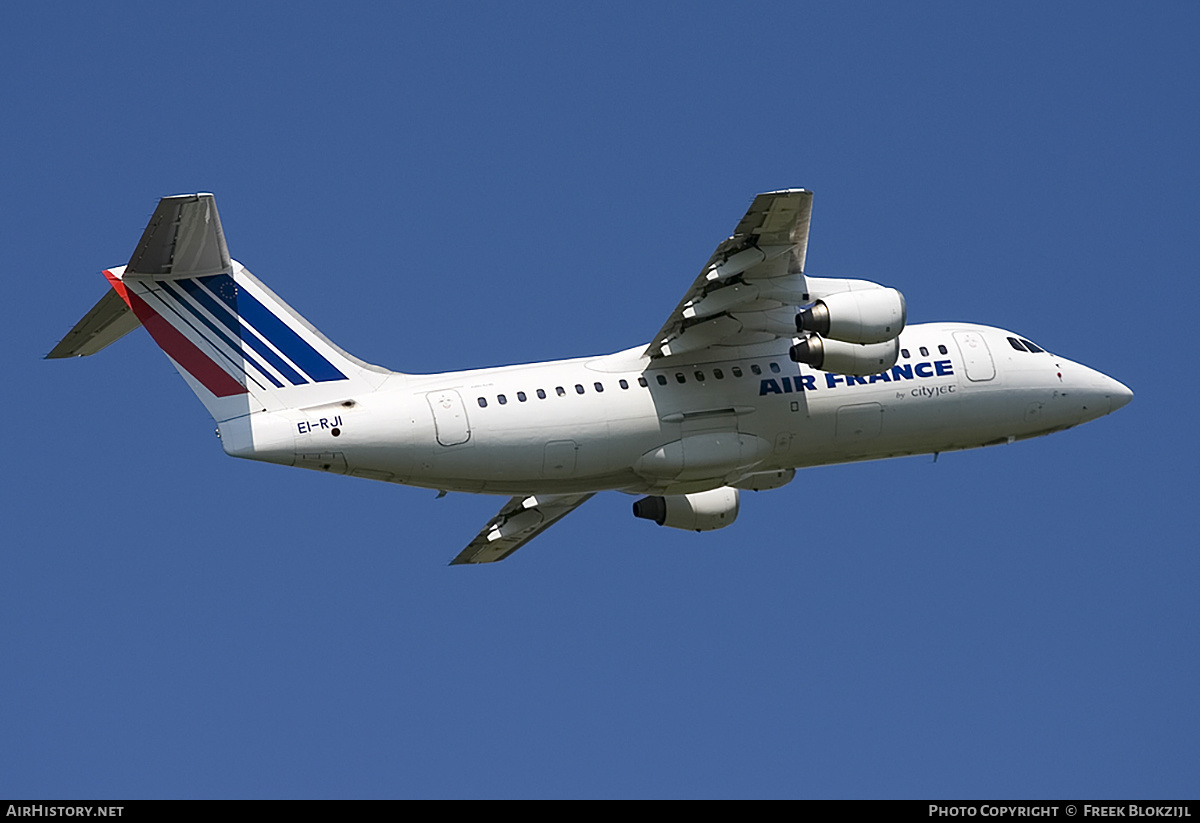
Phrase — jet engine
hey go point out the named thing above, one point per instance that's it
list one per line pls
(701, 512)
(846, 358)
(865, 316)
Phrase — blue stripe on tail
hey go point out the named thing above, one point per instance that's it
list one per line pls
(263, 320)
(220, 335)
(231, 322)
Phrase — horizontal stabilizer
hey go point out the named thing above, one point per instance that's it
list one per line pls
(107, 322)
(183, 239)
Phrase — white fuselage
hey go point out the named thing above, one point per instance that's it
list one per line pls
(680, 425)
(713, 404)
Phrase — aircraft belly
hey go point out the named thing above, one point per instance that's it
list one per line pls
(882, 424)
(568, 458)
(704, 456)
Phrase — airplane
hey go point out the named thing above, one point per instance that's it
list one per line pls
(759, 371)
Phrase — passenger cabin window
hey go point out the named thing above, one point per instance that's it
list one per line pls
(717, 373)
(774, 368)
(1031, 347)
(642, 382)
(541, 393)
(755, 368)
(623, 384)
(1016, 344)
(598, 386)
(501, 399)
(560, 391)
(700, 376)
(679, 378)
(579, 388)
(942, 349)
(737, 371)
(904, 353)
(483, 402)
(924, 352)
(521, 396)
(662, 379)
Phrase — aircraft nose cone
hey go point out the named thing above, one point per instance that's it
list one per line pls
(1119, 395)
(1098, 393)
(1111, 394)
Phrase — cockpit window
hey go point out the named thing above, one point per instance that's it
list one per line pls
(1024, 345)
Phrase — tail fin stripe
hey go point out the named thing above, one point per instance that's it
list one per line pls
(236, 350)
(261, 319)
(183, 351)
(246, 336)
(156, 300)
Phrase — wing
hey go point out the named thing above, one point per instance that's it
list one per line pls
(521, 520)
(747, 291)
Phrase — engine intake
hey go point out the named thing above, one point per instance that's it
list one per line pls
(867, 316)
(846, 358)
(701, 512)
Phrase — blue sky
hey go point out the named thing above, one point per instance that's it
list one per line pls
(459, 185)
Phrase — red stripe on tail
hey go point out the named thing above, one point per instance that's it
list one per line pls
(183, 351)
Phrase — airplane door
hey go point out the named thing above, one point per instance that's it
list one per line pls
(449, 417)
(976, 357)
(862, 421)
(559, 458)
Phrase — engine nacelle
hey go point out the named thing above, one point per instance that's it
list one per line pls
(866, 316)
(846, 358)
(700, 512)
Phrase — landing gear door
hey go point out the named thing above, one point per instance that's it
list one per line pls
(976, 358)
(449, 417)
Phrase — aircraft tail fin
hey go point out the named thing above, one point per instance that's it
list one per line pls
(237, 344)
